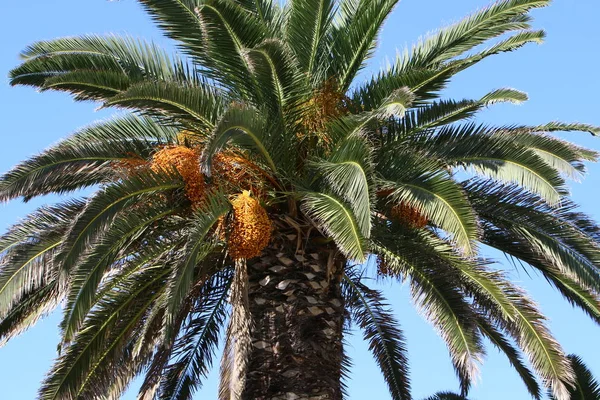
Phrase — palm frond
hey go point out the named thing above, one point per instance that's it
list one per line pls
(499, 18)
(247, 128)
(95, 359)
(446, 396)
(111, 245)
(215, 34)
(307, 29)
(193, 351)
(381, 331)
(435, 290)
(96, 67)
(197, 105)
(348, 171)
(513, 355)
(30, 308)
(279, 79)
(426, 83)
(491, 153)
(27, 251)
(534, 338)
(355, 35)
(88, 157)
(586, 386)
(420, 182)
(543, 234)
(102, 209)
(198, 245)
(445, 112)
(561, 155)
(337, 221)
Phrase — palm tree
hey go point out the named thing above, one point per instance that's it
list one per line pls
(256, 182)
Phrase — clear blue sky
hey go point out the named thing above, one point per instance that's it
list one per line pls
(560, 76)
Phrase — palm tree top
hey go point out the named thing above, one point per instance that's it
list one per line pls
(256, 142)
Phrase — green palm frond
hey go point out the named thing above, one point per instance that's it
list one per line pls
(355, 35)
(269, 12)
(27, 251)
(337, 221)
(194, 350)
(491, 153)
(88, 157)
(307, 31)
(446, 396)
(551, 241)
(348, 171)
(381, 331)
(435, 290)
(513, 43)
(89, 84)
(195, 105)
(514, 356)
(111, 245)
(215, 34)
(197, 246)
(426, 83)
(421, 183)
(96, 66)
(445, 112)
(102, 209)
(32, 307)
(279, 77)
(558, 126)
(499, 18)
(247, 128)
(563, 156)
(586, 386)
(537, 343)
(94, 360)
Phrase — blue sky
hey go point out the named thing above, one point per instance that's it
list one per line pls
(560, 77)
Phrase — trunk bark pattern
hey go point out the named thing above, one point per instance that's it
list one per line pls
(298, 314)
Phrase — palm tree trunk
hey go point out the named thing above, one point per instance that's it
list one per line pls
(297, 314)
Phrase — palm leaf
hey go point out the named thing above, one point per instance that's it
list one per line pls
(435, 291)
(421, 183)
(86, 277)
(551, 241)
(197, 105)
(513, 355)
(196, 248)
(356, 34)
(88, 157)
(491, 22)
(380, 330)
(102, 209)
(307, 32)
(92, 362)
(336, 220)
(193, 351)
(586, 386)
(491, 153)
(246, 127)
(348, 171)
